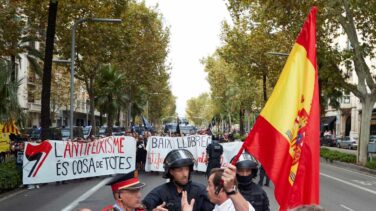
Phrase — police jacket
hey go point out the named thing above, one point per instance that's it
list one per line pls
(215, 151)
(255, 195)
(169, 194)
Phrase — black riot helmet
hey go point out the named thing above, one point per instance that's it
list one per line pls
(177, 158)
(247, 161)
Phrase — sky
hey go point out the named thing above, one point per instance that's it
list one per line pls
(195, 27)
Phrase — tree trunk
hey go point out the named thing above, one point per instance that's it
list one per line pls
(110, 119)
(13, 68)
(47, 69)
(110, 123)
(118, 117)
(264, 87)
(241, 121)
(100, 118)
(90, 91)
(367, 107)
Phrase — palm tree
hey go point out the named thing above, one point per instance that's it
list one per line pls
(9, 105)
(110, 93)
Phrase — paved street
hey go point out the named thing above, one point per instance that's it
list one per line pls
(341, 189)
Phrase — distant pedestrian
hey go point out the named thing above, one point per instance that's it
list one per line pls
(141, 153)
(214, 153)
(262, 175)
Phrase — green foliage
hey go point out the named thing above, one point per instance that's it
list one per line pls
(238, 136)
(10, 176)
(137, 46)
(336, 155)
(371, 164)
(199, 110)
(110, 98)
(9, 106)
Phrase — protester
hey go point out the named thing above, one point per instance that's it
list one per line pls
(141, 153)
(178, 166)
(127, 193)
(222, 191)
(214, 153)
(247, 169)
(262, 176)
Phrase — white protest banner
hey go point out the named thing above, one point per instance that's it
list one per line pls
(229, 151)
(158, 147)
(52, 161)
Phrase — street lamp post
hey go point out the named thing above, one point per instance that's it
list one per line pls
(73, 49)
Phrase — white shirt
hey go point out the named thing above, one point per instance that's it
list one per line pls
(229, 206)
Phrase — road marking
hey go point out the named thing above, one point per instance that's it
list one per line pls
(86, 195)
(352, 171)
(365, 183)
(11, 195)
(347, 208)
(349, 183)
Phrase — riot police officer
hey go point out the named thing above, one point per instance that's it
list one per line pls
(247, 169)
(178, 166)
(214, 153)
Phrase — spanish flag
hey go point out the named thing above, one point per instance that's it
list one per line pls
(285, 137)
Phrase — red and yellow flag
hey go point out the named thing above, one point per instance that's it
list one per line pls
(285, 137)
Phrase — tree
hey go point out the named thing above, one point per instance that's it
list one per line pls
(18, 34)
(9, 105)
(199, 109)
(47, 69)
(351, 19)
(137, 46)
(110, 93)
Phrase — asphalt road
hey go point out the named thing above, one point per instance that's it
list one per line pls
(340, 189)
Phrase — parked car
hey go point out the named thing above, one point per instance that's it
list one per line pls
(184, 129)
(188, 129)
(348, 142)
(116, 131)
(77, 133)
(372, 139)
(328, 140)
(170, 128)
(35, 133)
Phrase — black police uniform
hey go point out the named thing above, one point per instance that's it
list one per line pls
(214, 152)
(262, 176)
(169, 194)
(255, 195)
(252, 192)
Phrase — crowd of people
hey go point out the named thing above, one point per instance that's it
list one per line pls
(229, 188)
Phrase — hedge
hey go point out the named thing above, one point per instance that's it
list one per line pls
(343, 157)
(371, 164)
(336, 155)
(10, 176)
